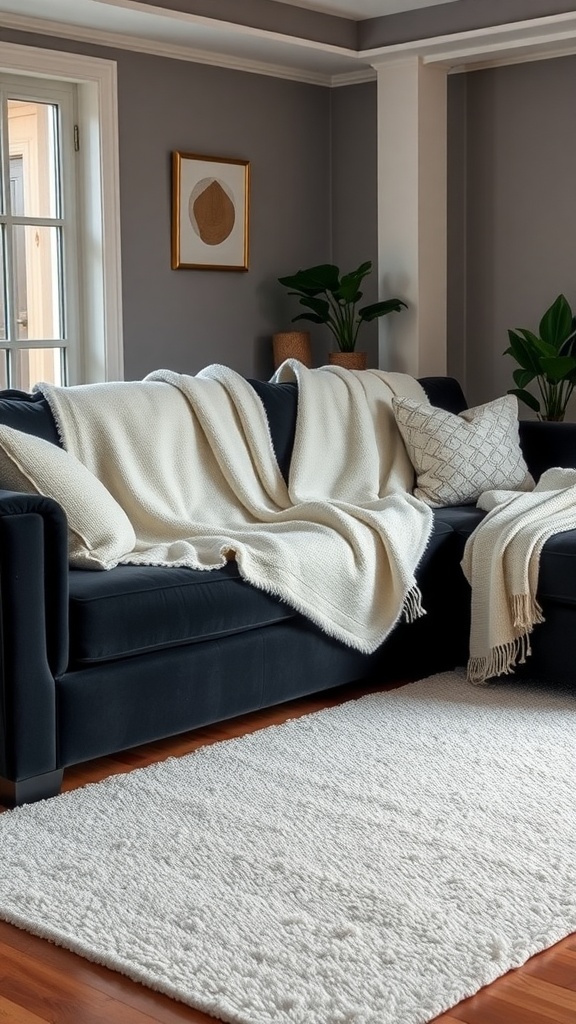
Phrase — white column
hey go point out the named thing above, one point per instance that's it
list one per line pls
(412, 215)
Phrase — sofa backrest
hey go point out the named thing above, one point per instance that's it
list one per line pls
(32, 414)
(445, 392)
(29, 413)
(280, 402)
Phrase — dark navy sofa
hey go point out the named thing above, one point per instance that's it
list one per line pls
(96, 662)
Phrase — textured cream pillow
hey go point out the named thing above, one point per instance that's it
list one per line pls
(99, 531)
(456, 458)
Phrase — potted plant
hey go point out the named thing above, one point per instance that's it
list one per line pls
(331, 298)
(549, 359)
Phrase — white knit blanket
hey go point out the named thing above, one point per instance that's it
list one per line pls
(191, 462)
(501, 562)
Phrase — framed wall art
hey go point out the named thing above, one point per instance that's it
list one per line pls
(210, 205)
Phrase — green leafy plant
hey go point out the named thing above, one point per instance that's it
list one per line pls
(331, 299)
(549, 359)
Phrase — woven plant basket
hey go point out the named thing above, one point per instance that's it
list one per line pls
(349, 360)
(292, 345)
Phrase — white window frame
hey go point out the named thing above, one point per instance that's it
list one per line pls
(98, 192)
(62, 95)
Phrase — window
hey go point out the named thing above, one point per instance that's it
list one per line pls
(39, 291)
(60, 284)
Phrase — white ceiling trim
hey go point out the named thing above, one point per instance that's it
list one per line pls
(353, 77)
(157, 48)
(359, 10)
(216, 23)
(536, 39)
(554, 35)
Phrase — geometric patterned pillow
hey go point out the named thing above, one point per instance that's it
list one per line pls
(456, 458)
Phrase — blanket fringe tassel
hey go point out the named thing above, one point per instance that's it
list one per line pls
(502, 660)
(413, 607)
(526, 612)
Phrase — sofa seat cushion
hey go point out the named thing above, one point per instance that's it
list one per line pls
(557, 576)
(130, 610)
(557, 579)
(439, 542)
(134, 609)
(463, 519)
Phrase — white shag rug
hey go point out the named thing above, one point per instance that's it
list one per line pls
(373, 863)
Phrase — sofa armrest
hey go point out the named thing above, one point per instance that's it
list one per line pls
(33, 630)
(548, 444)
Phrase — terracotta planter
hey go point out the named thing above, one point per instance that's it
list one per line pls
(349, 360)
(291, 345)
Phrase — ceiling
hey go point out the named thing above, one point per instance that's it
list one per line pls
(155, 29)
(160, 27)
(361, 9)
(221, 34)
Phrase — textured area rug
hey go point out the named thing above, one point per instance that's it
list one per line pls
(369, 864)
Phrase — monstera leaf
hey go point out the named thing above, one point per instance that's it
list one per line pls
(547, 360)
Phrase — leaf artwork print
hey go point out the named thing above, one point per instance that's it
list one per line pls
(211, 210)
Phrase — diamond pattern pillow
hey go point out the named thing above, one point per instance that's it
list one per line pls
(456, 458)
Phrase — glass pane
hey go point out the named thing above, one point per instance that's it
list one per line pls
(32, 138)
(3, 369)
(37, 267)
(31, 365)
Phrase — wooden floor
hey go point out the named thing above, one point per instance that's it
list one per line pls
(40, 982)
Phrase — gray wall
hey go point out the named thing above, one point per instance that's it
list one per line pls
(518, 204)
(354, 193)
(188, 318)
(512, 203)
(185, 319)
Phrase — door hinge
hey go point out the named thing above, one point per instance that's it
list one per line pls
(76, 138)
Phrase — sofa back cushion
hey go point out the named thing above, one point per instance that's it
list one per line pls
(29, 413)
(281, 403)
(445, 392)
(32, 414)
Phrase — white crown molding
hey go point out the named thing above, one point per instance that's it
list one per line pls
(516, 58)
(137, 44)
(262, 35)
(493, 46)
(353, 77)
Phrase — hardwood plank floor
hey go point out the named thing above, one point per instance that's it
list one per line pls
(40, 983)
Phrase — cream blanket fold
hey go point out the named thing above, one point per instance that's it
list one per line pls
(501, 562)
(190, 460)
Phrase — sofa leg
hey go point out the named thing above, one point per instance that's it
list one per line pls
(27, 791)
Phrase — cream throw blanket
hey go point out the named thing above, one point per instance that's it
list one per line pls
(191, 462)
(501, 562)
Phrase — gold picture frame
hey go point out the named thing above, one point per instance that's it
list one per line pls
(210, 207)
